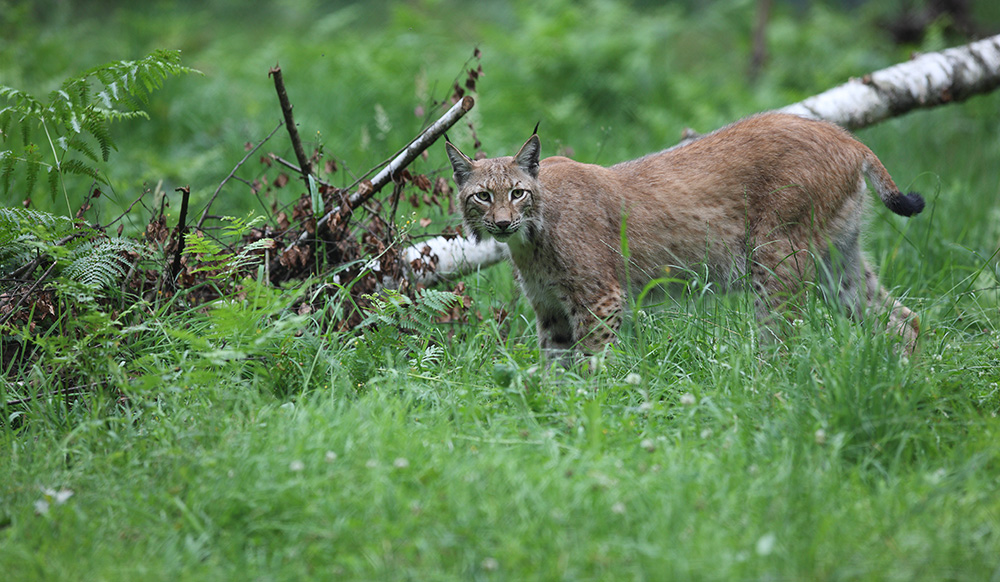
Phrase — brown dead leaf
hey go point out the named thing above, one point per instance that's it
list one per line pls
(423, 182)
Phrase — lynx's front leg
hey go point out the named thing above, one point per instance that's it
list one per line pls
(555, 333)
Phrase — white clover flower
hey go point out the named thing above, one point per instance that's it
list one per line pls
(296, 466)
(400, 463)
(687, 399)
(51, 497)
(766, 543)
(618, 508)
(489, 564)
(330, 456)
(633, 378)
(648, 445)
(820, 436)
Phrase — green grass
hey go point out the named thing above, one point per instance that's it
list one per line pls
(241, 441)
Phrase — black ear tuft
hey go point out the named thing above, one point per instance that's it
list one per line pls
(536, 129)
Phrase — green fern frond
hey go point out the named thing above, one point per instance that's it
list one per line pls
(17, 219)
(53, 181)
(80, 169)
(137, 79)
(98, 127)
(102, 263)
(418, 315)
(24, 232)
(212, 256)
(7, 161)
(196, 244)
(84, 148)
(75, 111)
(33, 164)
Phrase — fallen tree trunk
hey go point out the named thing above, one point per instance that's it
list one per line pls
(927, 80)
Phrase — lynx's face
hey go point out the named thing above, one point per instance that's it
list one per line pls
(497, 195)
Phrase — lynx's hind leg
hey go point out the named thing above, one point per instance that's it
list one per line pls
(850, 280)
(777, 271)
(902, 321)
(841, 275)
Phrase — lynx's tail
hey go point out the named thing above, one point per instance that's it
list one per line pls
(894, 200)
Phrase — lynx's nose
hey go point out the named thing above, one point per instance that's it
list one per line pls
(503, 224)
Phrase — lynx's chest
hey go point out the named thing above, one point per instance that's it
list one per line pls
(539, 268)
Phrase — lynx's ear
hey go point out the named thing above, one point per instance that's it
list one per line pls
(527, 157)
(460, 163)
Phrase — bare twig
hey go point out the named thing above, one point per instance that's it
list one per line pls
(282, 161)
(204, 213)
(123, 214)
(293, 131)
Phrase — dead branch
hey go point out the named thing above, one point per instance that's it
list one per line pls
(181, 227)
(368, 188)
(423, 141)
(928, 80)
(293, 130)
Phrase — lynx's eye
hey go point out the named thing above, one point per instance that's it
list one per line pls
(517, 194)
(483, 195)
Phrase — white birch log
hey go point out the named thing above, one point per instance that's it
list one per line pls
(928, 80)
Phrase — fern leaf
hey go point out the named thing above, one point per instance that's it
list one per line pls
(81, 169)
(102, 263)
(7, 160)
(53, 181)
(25, 134)
(33, 163)
(23, 232)
(195, 244)
(84, 148)
(98, 128)
(25, 219)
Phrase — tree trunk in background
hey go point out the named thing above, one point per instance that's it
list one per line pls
(927, 80)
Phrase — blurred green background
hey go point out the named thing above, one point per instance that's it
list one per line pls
(607, 80)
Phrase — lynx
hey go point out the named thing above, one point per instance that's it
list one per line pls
(771, 202)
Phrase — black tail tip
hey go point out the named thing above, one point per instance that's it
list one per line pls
(907, 204)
